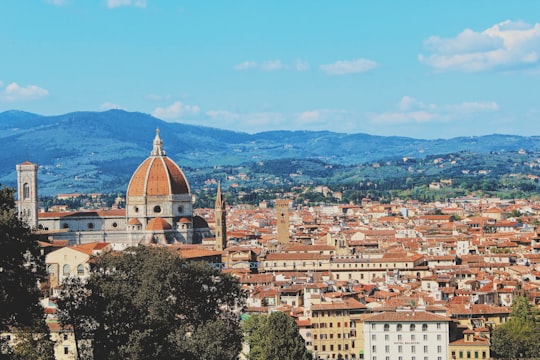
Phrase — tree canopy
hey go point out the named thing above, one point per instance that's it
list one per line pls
(274, 337)
(147, 303)
(21, 268)
(517, 338)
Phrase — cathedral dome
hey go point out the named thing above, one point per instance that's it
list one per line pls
(158, 175)
(158, 224)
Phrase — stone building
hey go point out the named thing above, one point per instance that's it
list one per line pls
(159, 208)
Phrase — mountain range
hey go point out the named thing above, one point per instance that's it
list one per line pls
(98, 151)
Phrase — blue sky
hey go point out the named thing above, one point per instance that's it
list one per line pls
(423, 69)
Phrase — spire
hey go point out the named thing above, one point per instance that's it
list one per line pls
(219, 196)
(158, 146)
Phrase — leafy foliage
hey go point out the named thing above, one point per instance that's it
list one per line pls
(518, 337)
(149, 303)
(274, 337)
(21, 268)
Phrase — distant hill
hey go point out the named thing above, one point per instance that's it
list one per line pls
(98, 151)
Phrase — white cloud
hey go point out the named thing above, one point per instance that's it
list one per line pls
(119, 3)
(404, 117)
(175, 111)
(272, 65)
(222, 115)
(110, 106)
(157, 97)
(344, 67)
(317, 119)
(14, 92)
(474, 107)
(412, 111)
(57, 2)
(301, 65)
(245, 65)
(506, 45)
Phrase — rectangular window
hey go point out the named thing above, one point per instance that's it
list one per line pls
(413, 337)
(425, 337)
(386, 337)
(399, 337)
(425, 348)
(400, 349)
(413, 349)
(373, 337)
(387, 348)
(439, 348)
(439, 337)
(66, 350)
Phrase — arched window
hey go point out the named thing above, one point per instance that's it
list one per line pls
(413, 327)
(424, 327)
(66, 270)
(399, 327)
(50, 269)
(65, 226)
(90, 226)
(386, 327)
(80, 269)
(26, 191)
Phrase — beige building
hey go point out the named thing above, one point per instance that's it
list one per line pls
(337, 329)
(72, 262)
(472, 346)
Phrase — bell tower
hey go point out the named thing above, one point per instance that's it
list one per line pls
(282, 214)
(221, 220)
(27, 195)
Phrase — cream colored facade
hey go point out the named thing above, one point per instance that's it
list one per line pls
(469, 347)
(66, 262)
(337, 329)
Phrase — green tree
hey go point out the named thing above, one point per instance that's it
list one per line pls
(518, 337)
(148, 303)
(21, 269)
(275, 337)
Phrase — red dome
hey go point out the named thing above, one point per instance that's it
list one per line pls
(158, 175)
(158, 224)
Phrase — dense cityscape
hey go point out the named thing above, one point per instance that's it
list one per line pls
(368, 280)
(269, 180)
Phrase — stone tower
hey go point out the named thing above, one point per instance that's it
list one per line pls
(27, 193)
(282, 213)
(221, 220)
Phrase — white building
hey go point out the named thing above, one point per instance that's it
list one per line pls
(159, 208)
(406, 335)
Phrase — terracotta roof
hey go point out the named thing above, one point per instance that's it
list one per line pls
(346, 304)
(134, 221)
(158, 175)
(407, 316)
(158, 224)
